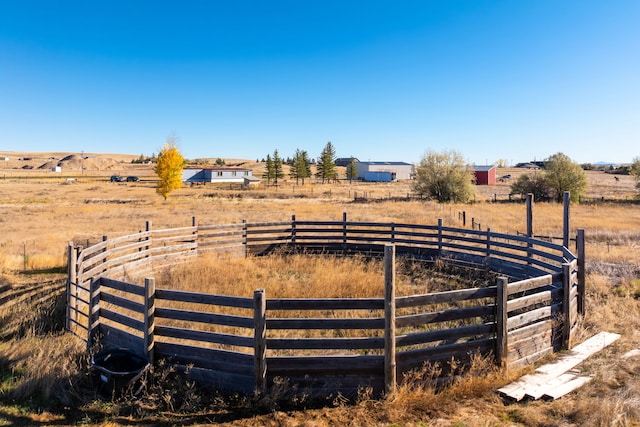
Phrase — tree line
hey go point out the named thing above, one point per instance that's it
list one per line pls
(441, 176)
(300, 166)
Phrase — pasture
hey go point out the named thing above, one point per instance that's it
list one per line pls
(40, 212)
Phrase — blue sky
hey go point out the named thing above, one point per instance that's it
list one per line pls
(514, 80)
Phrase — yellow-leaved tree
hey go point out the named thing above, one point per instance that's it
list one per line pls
(169, 168)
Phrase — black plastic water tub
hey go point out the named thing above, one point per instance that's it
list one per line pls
(117, 371)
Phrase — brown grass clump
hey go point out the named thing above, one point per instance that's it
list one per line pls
(44, 369)
(296, 276)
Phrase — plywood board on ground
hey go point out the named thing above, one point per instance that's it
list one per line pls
(552, 380)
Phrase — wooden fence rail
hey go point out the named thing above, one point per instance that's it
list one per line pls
(327, 345)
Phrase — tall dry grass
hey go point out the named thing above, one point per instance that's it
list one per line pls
(295, 276)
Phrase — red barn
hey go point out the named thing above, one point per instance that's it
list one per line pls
(485, 175)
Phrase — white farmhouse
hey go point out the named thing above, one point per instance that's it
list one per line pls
(218, 174)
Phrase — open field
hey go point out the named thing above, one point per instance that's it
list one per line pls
(40, 211)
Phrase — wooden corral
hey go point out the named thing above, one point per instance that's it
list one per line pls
(250, 343)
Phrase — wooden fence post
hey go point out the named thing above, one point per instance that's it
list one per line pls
(501, 321)
(580, 244)
(194, 224)
(72, 285)
(393, 233)
(566, 306)
(93, 321)
(244, 236)
(344, 233)
(149, 317)
(488, 242)
(439, 237)
(260, 340)
(529, 205)
(105, 258)
(389, 318)
(565, 223)
(147, 248)
(488, 259)
(293, 232)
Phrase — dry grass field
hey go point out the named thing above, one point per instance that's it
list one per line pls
(43, 371)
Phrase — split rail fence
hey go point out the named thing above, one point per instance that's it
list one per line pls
(325, 346)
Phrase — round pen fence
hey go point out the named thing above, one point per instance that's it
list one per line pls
(325, 346)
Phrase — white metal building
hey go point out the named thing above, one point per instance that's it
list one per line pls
(396, 170)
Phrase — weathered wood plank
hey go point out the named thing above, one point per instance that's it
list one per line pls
(446, 297)
(173, 249)
(87, 253)
(543, 297)
(227, 242)
(287, 366)
(535, 384)
(530, 350)
(173, 231)
(122, 302)
(325, 304)
(208, 227)
(353, 343)
(529, 284)
(445, 315)
(177, 243)
(535, 332)
(122, 286)
(136, 245)
(321, 323)
(200, 298)
(566, 384)
(236, 363)
(178, 351)
(123, 319)
(220, 232)
(522, 333)
(530, 359)
(203, 317)
(268, 224)
(429, 353)
(203, 336)
(536, 315)
(445, 334)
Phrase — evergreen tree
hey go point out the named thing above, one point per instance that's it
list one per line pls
(352, 169)
(307, 166)
(269, 172)
(327, 163)
(278, 171)
(300, 168)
